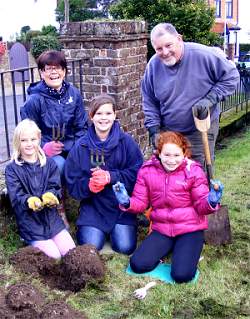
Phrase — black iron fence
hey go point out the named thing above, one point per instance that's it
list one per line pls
(13, 95)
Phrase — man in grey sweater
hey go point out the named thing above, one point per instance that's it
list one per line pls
(182, 76)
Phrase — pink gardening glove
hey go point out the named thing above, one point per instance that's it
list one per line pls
(95, 188)
(100, 177)
(53, 148)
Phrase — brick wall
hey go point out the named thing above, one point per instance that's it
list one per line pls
(115, 57)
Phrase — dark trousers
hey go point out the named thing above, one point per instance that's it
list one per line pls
(123, 238)
(186, 250)
(197, 145)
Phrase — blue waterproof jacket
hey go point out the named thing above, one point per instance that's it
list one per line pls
(30, 179)
(56, 111)
(122, 158)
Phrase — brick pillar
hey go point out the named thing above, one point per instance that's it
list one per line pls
(115, 56)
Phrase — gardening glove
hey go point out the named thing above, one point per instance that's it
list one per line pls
(121, 194)
(215, 194)
(50, 200)
(35, 203)
(53, 148)
(153, 134)
(100, 177)
(201, 108)
(95, 188)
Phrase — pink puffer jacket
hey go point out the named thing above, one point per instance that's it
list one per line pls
(178, 199)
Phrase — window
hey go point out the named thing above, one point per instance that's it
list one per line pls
(218, 8)
(229, 8)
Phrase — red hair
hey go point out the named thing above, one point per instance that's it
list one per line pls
(174, 138)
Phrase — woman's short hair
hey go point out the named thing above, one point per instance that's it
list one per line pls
(98, 101)
(173, 138)
(20, 128)
(52, 57)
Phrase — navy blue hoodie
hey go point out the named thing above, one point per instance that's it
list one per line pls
(122, 158)
(30, 179)
(49, 108)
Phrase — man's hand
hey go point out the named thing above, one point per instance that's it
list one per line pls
(215, 193)
(35, 203)
(201, 109)
(153, 134)
(121, 194)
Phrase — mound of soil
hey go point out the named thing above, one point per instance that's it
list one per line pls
(21, 296)
(31, 260)
(81, 265)
(23, 301)
(60, 310)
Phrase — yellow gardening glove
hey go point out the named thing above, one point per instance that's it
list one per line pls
(35, 203)
(50, 200)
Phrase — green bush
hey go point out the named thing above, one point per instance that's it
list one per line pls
(43, 43)
(32, 34)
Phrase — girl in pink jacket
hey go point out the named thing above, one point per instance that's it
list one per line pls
(177, 190)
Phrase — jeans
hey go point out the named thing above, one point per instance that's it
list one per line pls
(186, 250)
(60, 162)
(123, 238)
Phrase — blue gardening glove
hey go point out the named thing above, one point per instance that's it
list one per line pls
(215, 193)
(153, 133)
(121, 194)
(201, 108)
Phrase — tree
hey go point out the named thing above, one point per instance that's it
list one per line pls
(25, 29)
(192, 18)
(79, 10)
(42, 43)
(49, 30)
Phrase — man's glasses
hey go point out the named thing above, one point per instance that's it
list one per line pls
(50, 68)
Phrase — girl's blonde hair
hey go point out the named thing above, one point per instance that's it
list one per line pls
(22, 127)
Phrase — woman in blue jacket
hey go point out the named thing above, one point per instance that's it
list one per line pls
(104, 156)
(56, 106)
(33, 183)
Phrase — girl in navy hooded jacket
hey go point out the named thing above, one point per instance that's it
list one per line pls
(33, 184)
(104, 156)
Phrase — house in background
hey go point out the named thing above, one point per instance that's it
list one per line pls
(244, 21)
(226, 23)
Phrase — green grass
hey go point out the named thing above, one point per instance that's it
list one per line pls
(222, 290)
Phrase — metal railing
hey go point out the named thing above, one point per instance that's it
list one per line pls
(239, 99)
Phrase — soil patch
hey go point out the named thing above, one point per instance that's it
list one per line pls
(23, 301)
(80, 266)
(31, 260)
(60, 310)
